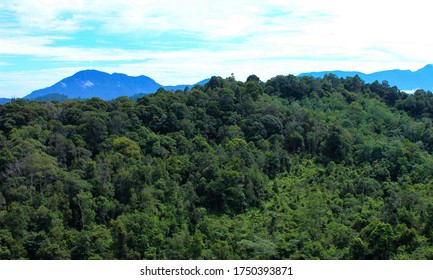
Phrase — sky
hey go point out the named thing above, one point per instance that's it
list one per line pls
(183, 42)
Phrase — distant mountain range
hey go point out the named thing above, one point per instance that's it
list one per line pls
(93, 83)
(4, 100)
(405, 80)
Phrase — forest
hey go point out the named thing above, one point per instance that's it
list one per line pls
(291, 168)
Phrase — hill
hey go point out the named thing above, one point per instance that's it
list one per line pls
(403, 79)
(290, 168)
(91, 83)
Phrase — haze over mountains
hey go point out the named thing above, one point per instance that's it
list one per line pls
(93, 83)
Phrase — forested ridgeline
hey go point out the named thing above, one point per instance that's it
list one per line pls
(291, 168)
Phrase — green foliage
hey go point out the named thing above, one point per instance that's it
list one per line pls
(127, 147)
(290, 168)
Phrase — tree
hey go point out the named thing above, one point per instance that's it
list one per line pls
(41, 169)
(380, 240)
(357, 249)
(337, 145)
(214, 82)
(94, 130)
(271, 124)
(127, 147)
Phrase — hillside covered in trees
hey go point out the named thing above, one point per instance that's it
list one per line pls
(290, 168)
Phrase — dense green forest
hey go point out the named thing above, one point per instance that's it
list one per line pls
(290, 168)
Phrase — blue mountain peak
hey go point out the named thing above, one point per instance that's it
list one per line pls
(427, 68)
(94, 83)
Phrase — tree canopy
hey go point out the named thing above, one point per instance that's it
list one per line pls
(290, 168)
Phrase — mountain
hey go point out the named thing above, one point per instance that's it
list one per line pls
(403, 79)
(4, 100)
(93, 83)
(52, 97)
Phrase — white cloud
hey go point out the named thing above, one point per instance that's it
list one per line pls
(208, 18)
(132, 15)
(88, 84)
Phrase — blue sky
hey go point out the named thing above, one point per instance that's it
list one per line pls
(179, 42)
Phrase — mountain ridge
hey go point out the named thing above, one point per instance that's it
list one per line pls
(405, 80)
(93, 83)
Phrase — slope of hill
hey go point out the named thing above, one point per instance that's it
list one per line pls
(290, 168)
(403, 79)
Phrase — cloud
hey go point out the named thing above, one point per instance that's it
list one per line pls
(212, 20)
(191, 40)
